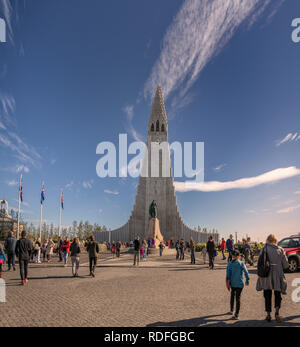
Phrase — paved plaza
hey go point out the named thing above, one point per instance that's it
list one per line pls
(161, 292)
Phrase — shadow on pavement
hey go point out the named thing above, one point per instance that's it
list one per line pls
(214, 321)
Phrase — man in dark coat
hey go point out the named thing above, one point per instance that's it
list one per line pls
(10, 247)
(137, 248)
(211, 250)
(93, 250)
(23, 251)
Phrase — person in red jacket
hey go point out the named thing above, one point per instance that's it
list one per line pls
(223, 247)
(65, 249)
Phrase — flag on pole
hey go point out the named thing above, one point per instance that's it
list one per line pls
(21, 190)
(42, 195)
(62, 200)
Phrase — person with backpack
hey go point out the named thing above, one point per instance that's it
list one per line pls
(93, 251)
(10, 247)
(2, 259)
(271, 264)
(230, 247)
(118, 248)
(23, 251)
(235, 272)
(75, 256)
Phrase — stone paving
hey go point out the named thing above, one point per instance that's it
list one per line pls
(161, 292)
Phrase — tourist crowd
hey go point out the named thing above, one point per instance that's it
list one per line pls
(271, 263)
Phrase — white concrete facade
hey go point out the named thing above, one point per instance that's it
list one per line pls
(161, 189)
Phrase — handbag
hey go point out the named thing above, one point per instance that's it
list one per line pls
(263, 264)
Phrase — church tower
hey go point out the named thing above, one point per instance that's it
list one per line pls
(158, 185)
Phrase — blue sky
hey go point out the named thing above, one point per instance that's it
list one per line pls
(74, 75)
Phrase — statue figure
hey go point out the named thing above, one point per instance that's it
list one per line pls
(153, 210)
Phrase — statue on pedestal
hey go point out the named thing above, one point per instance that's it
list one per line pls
(153, 228)
(153, 209)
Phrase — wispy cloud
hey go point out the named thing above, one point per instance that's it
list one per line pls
(243, 183)
(107, 191)
(88, 184)
(129, 111)
(69, 185)
(12, 183)
(8, 135)
(289, 209)
(198, 33)
(297, 192)
(22, 168)
(220, 167)
(288, 138)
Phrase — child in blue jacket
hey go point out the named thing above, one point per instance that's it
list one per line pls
(2, 259)
(235, 272)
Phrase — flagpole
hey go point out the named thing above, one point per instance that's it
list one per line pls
(59, 225)
(19, 206)
(41, 215)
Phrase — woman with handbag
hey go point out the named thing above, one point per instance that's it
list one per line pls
(272, 262)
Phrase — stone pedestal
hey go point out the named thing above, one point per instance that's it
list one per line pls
(154, 232)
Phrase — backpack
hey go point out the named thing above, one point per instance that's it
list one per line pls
(263, 264)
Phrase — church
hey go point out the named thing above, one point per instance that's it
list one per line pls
(160, 189)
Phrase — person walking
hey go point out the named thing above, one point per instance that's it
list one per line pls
(75, 256)
(2, 259)
(32, 250)
(230, 247)
(10, 248)
(145, 252)
(235, 272)
(118, 248)
(211, 250)
(23, 251)
(275, 282)
(204, 252)
(49, 249)
(37, 251)
(59, 244)
(137, 246)
(192, 249)
(177, 244)
(44, 249)
(65, 249)
(161, 248)
(223, 248)
(247, 251)
(93, 251)
(181, 249)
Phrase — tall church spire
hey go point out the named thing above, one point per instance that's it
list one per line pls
(158, 123)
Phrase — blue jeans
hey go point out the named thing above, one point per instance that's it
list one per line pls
(193, 260)
(11, 259)
(223, 254)
(66, 257)
(229, 256)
